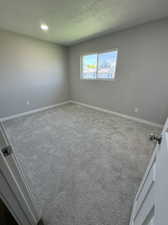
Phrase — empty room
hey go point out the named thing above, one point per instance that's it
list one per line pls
(83, 112)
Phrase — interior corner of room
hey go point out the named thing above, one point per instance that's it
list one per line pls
(49, 74)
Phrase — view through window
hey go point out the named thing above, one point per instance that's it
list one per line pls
(99, 66)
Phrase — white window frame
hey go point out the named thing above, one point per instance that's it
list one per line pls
(92, 53)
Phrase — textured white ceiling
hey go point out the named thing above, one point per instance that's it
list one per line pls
(71, 21)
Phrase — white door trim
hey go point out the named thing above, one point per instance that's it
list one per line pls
(13, 189)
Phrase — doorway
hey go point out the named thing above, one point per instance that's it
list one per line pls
(5, 215)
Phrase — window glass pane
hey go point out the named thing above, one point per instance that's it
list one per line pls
(107, 65)
(89, 66)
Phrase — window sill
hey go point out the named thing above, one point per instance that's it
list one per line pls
(103, 79)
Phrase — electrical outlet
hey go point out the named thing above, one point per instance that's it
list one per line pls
(136, 110)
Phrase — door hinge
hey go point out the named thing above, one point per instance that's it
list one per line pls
(7, 150)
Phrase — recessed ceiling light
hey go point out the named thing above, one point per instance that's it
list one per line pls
(44, 27)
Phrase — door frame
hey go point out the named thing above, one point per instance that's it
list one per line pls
(14, 190)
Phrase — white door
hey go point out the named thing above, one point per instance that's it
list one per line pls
(151, 201)
(161, 187)
(14, 191)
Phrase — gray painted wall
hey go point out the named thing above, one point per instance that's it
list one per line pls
(30, 70)
(142, 72)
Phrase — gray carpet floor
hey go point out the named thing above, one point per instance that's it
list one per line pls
(84, 166)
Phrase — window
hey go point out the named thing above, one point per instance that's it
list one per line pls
(99, 66)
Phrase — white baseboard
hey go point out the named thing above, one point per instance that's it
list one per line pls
(33, 111)
(86, 105)
(119, 114)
